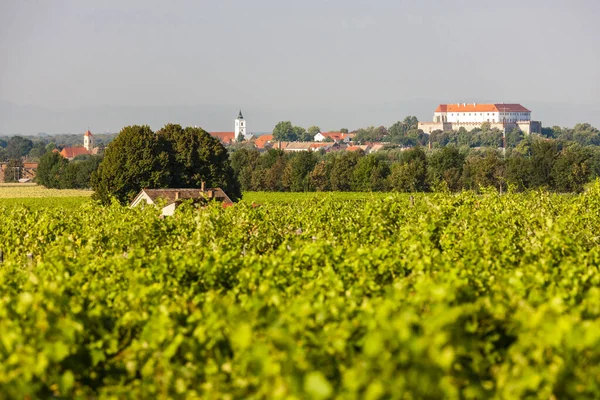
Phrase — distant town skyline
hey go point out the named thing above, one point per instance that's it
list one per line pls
(69, 65)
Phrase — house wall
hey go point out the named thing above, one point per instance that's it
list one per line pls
(169, 210)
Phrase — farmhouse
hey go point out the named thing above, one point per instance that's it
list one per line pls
(170, 199)
(469, 116)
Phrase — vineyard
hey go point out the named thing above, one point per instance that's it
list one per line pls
(436, 296)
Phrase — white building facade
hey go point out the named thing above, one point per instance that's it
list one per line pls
(240, 127)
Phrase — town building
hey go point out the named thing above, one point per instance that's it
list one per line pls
(338, 137)
(22, 174)
(88, 148)
(263, 141)
(170, 199)
(240, 127)
(469, 116)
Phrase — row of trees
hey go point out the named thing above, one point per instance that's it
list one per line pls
(534, 163)
(34, 147)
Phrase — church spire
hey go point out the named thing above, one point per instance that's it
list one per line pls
(240, 116)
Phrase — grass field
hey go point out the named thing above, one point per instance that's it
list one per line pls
(31, 194)
(25, 190)
(279, 197)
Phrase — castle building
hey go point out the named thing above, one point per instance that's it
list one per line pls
(469, 116)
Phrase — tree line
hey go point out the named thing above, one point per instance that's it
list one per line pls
(32, 148)
(534, 163)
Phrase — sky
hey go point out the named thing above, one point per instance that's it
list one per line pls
(70, 65)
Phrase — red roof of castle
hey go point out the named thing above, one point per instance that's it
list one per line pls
(474, 107)
(88, 133)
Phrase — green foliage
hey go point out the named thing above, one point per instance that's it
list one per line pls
(313, 130)
(457, 296)
(18, 147)
(173, 157)
(410, 174)
(445, 168)
(285, 132)
(136, 159)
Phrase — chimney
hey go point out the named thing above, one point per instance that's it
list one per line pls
(202, 186)
(464, 104)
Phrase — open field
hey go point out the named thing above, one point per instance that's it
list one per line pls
(25, 190)
(458, 296)
(267, 197)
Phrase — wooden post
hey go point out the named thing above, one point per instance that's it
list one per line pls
(30, 258)
(412, 201)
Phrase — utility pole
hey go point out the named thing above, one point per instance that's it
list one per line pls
(504, 142)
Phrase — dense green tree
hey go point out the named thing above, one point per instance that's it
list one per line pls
(244, 162)
(343, 130)
(284, 131)
(313, 130)
(445, 168)
(370, 174)
(302, 135)
(585, 134)
(37, 151)
(136, 159)
(371, 134)
(78, 172)
(298, 168)
(514, 137)
(484, 170)
(543, 156)
(342, 171)
(572, 169)
(410, 173)
(18, 147)
(319, 177)
(195, 157)
(50, 170)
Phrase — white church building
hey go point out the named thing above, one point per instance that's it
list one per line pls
(240, 128)
(448, 117)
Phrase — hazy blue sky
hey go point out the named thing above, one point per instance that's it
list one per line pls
(66, 65)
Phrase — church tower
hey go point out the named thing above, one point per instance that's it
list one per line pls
(240, 126)
(88, 141)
